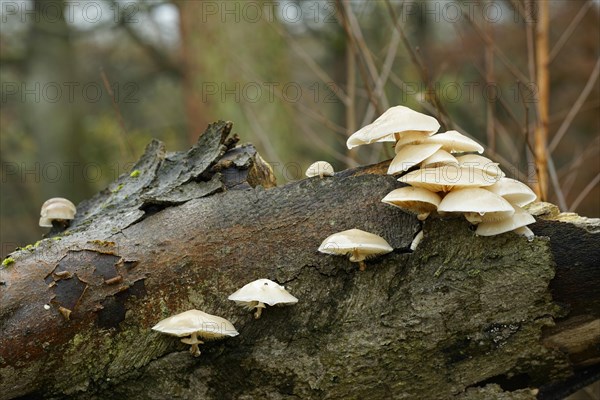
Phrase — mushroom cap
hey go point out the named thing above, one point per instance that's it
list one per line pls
(355, 241)
(56, 208)
(455, 142)
(447, 177)
(45, 222)
(264, 291)
(410, 137)
(411, 155)
(519, 219)
(476, 200)
(525, 231)
(320, 168)
(439, 159)
(60, 200)
(394, 120)
(514, 191)
(480, 162)
(205, 325)
(413, 199)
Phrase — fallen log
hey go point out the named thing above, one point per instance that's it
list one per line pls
(462, 317)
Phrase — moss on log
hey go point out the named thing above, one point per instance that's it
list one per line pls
(463, 316)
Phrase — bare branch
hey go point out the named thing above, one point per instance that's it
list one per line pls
(501, 56)
(125, 146)
(588, 188)
(310, 62)
(569, 31)
(589, 86)
(542, 159)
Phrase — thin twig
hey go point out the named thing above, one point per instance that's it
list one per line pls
(343, 18)
(416, 60)
(589, 86)
(351, 103)
(363, 49)
(125, 146)
(543, 85)
(385, 73)
(501, 56)
(569, 31)
(260, 134)
(489, 77)
(310, 62)
(588, 188)
(529, 34)
(562, 202)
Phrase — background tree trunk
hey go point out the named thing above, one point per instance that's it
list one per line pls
(463, 316)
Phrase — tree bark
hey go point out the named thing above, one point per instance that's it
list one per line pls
(462, 317)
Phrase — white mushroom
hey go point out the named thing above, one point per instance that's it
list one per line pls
(196, 324)
(395, 120)
(447, 178)
(439, 159)
(455, 142)
(410, 137)
(56, 209)
(411, 155)
(514, 191)
(519, 219)
(451, 141)
(476, 161)
(416, 240)
(359, 244)
(413, 199)
(256, 294)
(477, 205)
(525, 231)
(320, 169)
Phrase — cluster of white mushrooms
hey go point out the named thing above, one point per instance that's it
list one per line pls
(450, 179)
(199, 325)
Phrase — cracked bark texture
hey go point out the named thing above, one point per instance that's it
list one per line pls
(462, 317)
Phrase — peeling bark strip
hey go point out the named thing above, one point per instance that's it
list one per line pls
(463, 316)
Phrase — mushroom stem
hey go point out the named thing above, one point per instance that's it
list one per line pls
(259, 308)
(423, 216)
(362, 266)
(194, 350)
(360, 259)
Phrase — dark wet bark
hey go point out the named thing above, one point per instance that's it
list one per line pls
(463, 316)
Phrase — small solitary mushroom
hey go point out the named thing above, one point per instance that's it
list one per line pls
(260, 292)
(320, 169)
(413, 199)
(57, 209)
(360, 245)
(196, 324)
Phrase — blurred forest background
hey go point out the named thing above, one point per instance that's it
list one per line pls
(87, 84)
